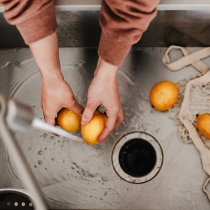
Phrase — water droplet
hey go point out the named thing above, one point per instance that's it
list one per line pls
(40, 152)
(29, 149)
(45, 135)
(52, 137)
(52, 159)
(40, 162)
(34, 166)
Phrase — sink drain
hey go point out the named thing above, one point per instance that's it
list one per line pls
(137, 157)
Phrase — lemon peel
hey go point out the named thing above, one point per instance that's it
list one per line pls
(203, 124)
(91, 131)
(69, 120)
(164, 95)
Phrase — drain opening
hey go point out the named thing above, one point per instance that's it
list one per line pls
(137, 157)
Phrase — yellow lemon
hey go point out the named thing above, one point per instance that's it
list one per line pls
(164, 95)
(93, 129)
(69, 120)
(203, 124)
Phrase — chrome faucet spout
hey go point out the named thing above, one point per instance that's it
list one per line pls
(11, 112)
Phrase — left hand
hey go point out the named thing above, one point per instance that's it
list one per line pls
(103, 91)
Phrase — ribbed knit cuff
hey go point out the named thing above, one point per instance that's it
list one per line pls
(112, 50)
(39, 26)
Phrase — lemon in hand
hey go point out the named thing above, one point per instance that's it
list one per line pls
(69, 120)
(91, 131)
(164, 95)
(203, 124)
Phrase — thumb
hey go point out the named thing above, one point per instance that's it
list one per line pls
(88, 112)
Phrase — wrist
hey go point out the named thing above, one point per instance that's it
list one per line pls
(103, 63)
(52, 77)
(105, 70)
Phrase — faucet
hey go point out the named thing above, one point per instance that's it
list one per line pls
(18, 116)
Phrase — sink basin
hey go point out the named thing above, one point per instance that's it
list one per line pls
(74, 175)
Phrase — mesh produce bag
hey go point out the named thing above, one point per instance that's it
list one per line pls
(194, 98)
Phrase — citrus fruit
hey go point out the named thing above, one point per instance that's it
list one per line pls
(69, 120)
(203, 124)
(164, 95)
(93, 129)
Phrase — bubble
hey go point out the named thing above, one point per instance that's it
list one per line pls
(45, 135)
(40, 162)
(40, 152)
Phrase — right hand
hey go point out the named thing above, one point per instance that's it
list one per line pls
(103, 91)
(56, 94)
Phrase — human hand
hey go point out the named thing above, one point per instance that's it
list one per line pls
(56, 94)
(103, 91)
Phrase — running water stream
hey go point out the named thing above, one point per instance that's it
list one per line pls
(40, 124)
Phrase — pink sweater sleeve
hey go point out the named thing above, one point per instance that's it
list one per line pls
(35, 19)
(123, 23)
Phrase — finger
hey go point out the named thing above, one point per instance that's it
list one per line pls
(52, 120)
(49, 118)
(75, 106)
(110, 125)
(120, 119)
(88, 112)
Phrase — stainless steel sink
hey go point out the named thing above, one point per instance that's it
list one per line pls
(77, 176)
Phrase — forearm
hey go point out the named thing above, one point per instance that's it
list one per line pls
(123, 23)
(46, 55)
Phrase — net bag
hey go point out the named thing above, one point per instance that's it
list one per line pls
(194, 98)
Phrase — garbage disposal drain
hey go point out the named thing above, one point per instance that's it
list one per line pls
(137, 157)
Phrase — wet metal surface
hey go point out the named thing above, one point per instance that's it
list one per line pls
(73, 175)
